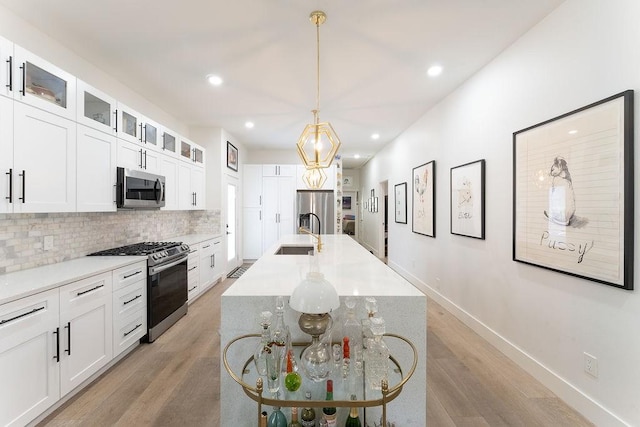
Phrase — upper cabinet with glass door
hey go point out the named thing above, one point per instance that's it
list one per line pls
(191, 151)
(169, 142)
(7, 78)
(134, 127)
(43, 85)
(96, 109)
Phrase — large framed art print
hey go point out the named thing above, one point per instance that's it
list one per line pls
(423, 199)
(573, 193)
(467, 199)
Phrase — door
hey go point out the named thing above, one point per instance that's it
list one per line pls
(233, 237)
(96, 170)
(7, 172)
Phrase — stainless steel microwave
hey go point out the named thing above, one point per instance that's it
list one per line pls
(139, 190)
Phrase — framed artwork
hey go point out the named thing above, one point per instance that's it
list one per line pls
(347, 181)
(573, 193)
(423, 199)
(346, 202)
(401, 203)
(232, 157)
(467, 199)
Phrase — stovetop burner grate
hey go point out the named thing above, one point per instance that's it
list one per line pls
(143, 248)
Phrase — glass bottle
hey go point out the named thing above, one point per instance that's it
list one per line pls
(293, 380)
(329, 412)
(308, 415)
(376, 356)
(294, 418)
(372, 308)
(280, 337)
(263, 419)
(277, 418)
(351, 327)
(353, 420)
(346, 354)
(260, 355)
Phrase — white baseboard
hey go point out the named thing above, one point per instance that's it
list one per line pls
(566, 391)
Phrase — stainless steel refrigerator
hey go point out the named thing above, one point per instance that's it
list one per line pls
(320, 204)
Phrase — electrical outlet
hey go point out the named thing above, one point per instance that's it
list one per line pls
(48, 243)
(591, 365)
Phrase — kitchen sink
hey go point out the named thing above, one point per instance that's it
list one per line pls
(294, 250)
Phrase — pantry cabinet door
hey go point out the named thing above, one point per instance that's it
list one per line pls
(44, 161)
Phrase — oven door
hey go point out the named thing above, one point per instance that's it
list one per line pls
(167, 295)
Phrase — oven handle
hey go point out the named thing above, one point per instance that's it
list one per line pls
(160, 191)
(160, 268)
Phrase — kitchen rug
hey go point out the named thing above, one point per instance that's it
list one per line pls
(237, 272)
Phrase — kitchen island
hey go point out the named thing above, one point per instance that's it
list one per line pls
(354, 272)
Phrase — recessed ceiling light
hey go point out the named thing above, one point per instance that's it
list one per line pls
(214, 80)
(249, 125)
(434, 71)
(375, 136)
(356, 156)
(573, 132)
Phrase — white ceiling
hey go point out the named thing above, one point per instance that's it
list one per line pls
(374, 55)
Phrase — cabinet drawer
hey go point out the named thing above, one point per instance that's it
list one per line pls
(128, 330)
(129, 274)
(28, 317)
(129, 299)
(79, 296)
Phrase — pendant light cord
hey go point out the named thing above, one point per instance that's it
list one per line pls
(317, 69)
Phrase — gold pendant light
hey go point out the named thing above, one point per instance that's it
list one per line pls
(318, 144)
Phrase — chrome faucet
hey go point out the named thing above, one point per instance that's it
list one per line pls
(317, 236)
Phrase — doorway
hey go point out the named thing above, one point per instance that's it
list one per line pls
(232, 235)
(383, 229)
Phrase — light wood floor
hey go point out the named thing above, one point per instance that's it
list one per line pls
(174, 381)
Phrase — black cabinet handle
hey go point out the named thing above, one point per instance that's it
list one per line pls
(141, 159)
(136, 327)
(68, 328)
(132, 300)
(10, 196)
(145, 159)
(205, 247)
(89, 290)
(10, 62)
(141, 133)
(23, 67)
(35, 310)
(214, 261)
(115, 121)
(131, 275)
(195, 287)
(57, 334)
(24, 185)
(193, 268)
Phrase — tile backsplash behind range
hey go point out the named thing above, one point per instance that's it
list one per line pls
(78, 234)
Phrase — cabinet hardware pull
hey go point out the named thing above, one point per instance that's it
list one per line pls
(115, 113)
(115, 193)
(23, 67)
(213, 261)
(137, 326)
(205, 247)
(10, 62)
(3, 321)
(145, 159)
(132, 274)
(193, 268)
(260, 215)
(10, 197)
(24, 185)
(260, 200)
(195, 287)
(141, 159)
(132, 299)
(89, 290)
(68, 327)
(57, 334)
(141, 133)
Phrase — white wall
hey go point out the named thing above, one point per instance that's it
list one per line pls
(584, 51)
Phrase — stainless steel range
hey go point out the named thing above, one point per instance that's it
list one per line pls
(166, 281)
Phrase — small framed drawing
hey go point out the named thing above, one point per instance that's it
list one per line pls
(347, 181)
(573, 193)
(423, 199)
(401, 203)
(232, 157)
(467, 199)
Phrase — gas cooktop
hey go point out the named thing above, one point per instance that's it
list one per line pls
(143, 248)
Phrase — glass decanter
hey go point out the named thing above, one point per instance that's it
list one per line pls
(260, 355)
(280, 337)
(376, 356)
(351, 327)
(371, 306)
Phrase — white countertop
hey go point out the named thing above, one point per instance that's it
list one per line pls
(23, 283)
(344, 263)
(192, 239)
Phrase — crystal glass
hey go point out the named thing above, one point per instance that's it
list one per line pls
(260, 355)
(376, 356)
(316, 360)
(274, 366)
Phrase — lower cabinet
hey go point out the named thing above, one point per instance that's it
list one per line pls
(210, 261)
(53, 341)
(193, 274)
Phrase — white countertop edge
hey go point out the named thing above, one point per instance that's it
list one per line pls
(194, 239)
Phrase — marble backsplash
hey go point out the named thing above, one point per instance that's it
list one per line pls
(78, 234)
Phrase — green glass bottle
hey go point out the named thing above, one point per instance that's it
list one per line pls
(294, 418)
(329, 412)
(354, 419)
(308, 415)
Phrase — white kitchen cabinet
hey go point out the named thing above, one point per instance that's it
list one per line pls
(191, 183)
(86, 322)
(7, 196)
(44, 159)
(43, 85)
(169, 168)
(129, 124)
(96, 109)
(252, 186)
(169, 142)
(190, 151)
(137, 157)
(193, 274)
(279, 170)
(251, 233)
(329, 184)
(210, 262)
(278, 198)
(96, 170)
(29, 354)
(129, 314)
(7, 78)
